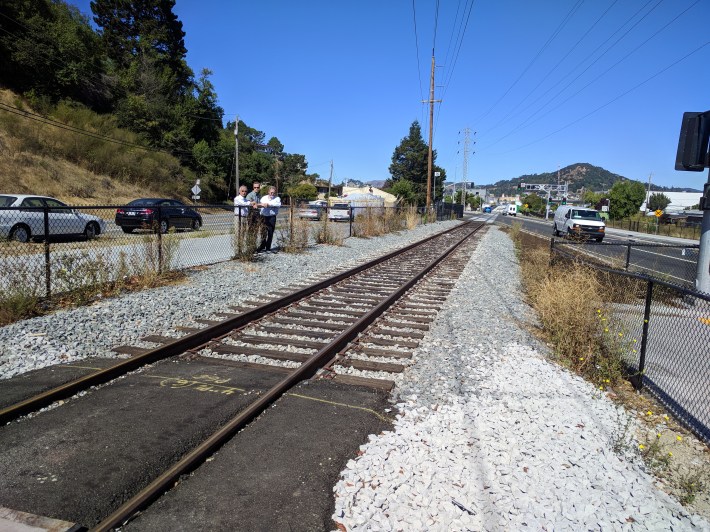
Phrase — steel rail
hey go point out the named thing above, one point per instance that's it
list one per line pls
(197, 456)
(191, 340)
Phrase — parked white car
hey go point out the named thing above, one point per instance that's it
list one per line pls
(26, 220)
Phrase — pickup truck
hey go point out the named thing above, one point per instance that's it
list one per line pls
(340, 212)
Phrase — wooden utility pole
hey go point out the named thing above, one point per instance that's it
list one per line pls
(236, 156)
(648, 193)
(430, 163)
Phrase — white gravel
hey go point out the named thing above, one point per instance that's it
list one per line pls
(71, 335)
(491, 436)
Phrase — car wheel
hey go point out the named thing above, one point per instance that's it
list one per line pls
(554, 230)
(196, 224)
(599, 239)
(91, 231)
(20, 233)
(127, 229)
(164, 226)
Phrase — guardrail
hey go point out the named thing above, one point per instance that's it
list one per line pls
(663, 333)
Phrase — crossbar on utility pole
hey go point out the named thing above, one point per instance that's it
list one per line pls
(430, 164)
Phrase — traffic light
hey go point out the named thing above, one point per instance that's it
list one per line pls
(564, 200)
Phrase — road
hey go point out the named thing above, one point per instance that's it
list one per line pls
(647, 254)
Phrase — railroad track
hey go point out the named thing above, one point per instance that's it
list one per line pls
(357, 327)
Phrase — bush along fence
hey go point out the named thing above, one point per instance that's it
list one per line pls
(49, 249)
(662, 334)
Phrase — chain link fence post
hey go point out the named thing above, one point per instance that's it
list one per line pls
(47, 260)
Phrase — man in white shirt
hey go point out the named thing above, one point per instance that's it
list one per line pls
(269, 209)
(241, 204)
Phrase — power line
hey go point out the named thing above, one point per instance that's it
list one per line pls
(527, 122)
(416, 43)
(48, 121)
(547, 76)
(594, 62)
(559, 28)
(613, 99)
(436, 25)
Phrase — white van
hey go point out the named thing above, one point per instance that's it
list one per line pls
(511, 210)
(578, 222)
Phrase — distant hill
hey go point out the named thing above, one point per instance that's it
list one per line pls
(578, 176)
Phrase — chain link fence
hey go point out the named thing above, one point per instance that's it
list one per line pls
(676, 228)
(662, 333)
(48, 248)
(674, 263)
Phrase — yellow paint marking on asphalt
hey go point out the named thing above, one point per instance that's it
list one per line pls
(177, 382)
(79, 367)
(377, 414)
(706, 321)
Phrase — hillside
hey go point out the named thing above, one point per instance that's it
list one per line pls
(579, 176)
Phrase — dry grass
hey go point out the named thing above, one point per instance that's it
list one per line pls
(574, 308)
(411, 217)
(325, 234)
(574, 305)
(39, 159)
(296, 235)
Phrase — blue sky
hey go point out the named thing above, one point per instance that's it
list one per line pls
(543, 84)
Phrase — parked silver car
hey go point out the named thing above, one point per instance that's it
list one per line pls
(26, 220)
(313, 210)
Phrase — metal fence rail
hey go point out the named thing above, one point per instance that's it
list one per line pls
(662, 332)
(681, 228)
(677, 262)
(45, 251)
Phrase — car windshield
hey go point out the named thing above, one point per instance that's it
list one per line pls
(340, 205)
(586, 215)
(144, 201)
(6, 201)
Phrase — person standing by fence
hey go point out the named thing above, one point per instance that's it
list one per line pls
(241, 205)
(269, 209)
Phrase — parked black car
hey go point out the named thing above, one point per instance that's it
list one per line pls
(157, 214)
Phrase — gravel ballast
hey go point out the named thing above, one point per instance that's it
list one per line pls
(489, 435)
(75, 334)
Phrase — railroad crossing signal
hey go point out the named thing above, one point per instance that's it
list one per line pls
(658, 213)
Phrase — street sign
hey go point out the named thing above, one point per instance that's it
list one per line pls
(196, 190)
(195, 197)
(658, 213)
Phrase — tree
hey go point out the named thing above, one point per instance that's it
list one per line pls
(147, 28)
(534, 203)
(303, 191)
(626, 198)
(405, 192)
(592, 198)
(410, 160)
(658, 202)
(49, 50)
